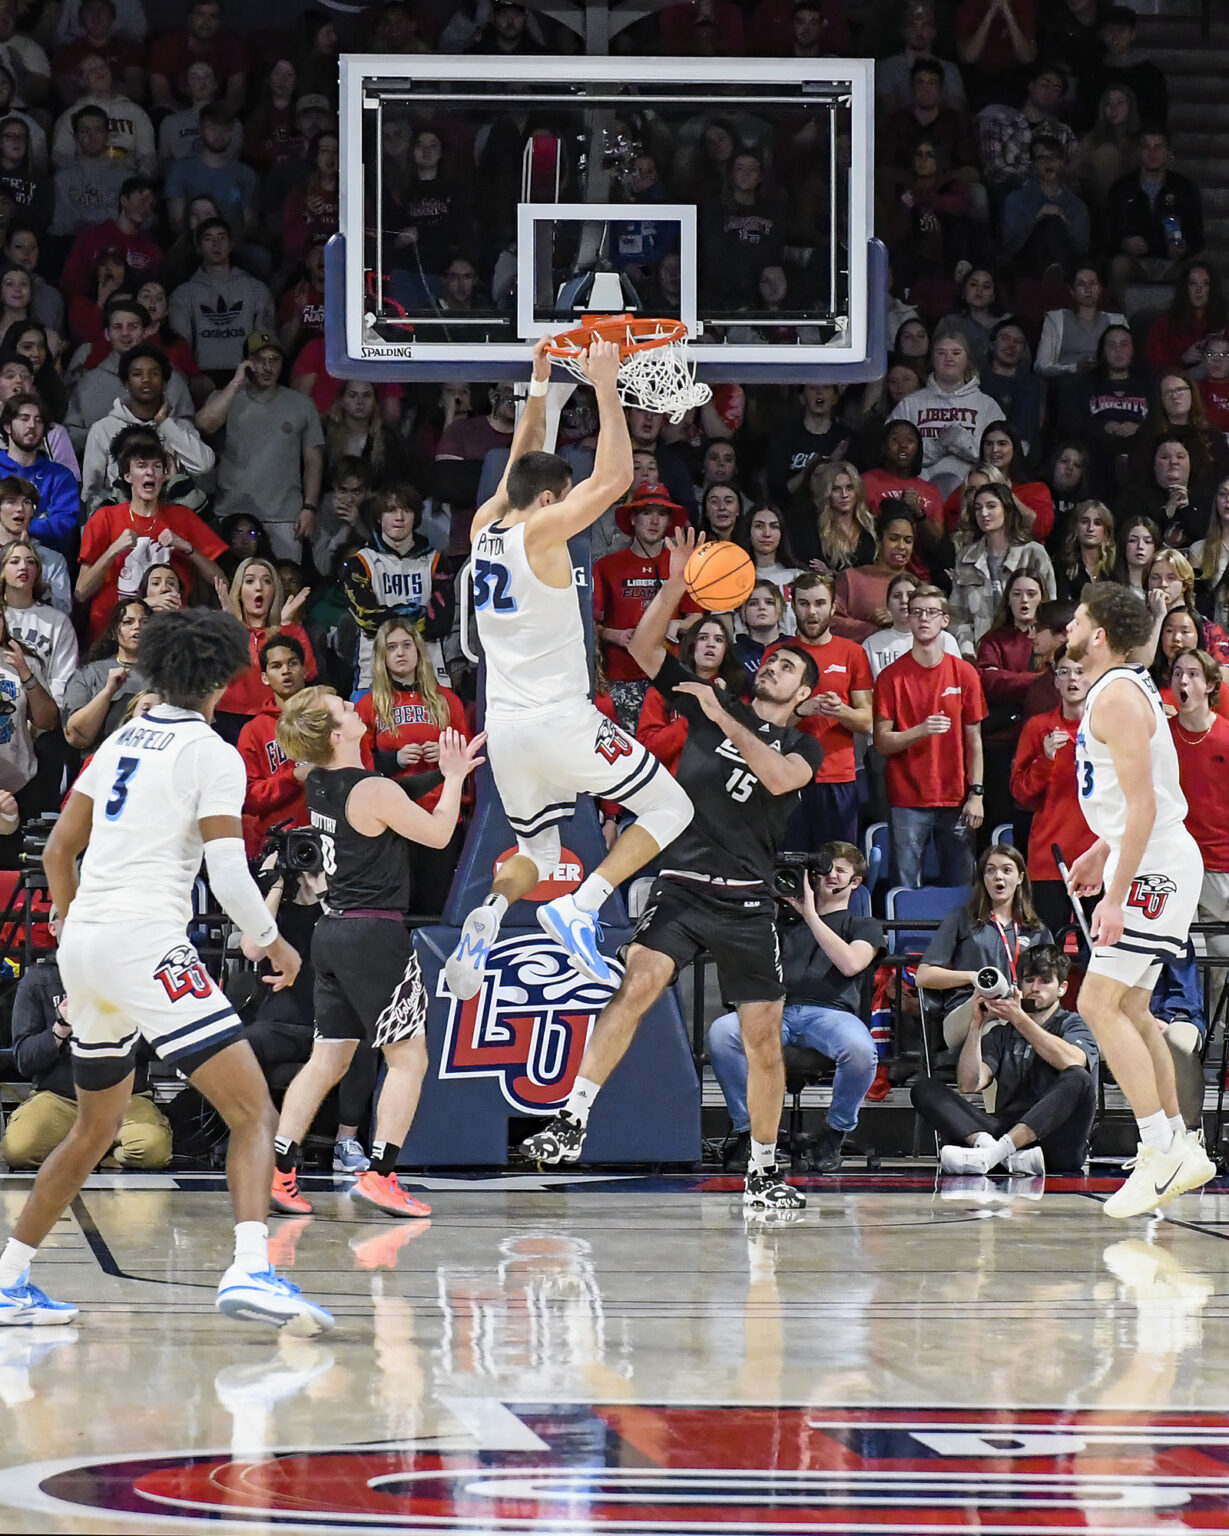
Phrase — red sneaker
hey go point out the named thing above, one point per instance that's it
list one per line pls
(882, 1085)
(286, 1197)
(383, 1191)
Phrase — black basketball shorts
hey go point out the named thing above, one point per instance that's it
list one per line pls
(368, 981)
(684, 920)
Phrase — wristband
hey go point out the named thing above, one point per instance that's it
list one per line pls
(538, 386)
(310, 505)
(29, 682)
(977, 789)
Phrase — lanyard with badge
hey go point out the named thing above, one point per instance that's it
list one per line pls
(1012, 955)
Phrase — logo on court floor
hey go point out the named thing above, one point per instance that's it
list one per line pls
(680, 1471)
(528, 1025)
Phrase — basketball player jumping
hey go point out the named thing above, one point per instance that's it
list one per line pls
(546, 741)
(1151, 871)
(743, 767)
(158, 792)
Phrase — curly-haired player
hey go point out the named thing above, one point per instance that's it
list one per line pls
(161, 791)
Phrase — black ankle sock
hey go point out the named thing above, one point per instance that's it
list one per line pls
(384, 1155)
(287, 1154)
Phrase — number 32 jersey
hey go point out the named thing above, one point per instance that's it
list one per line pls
(151, 783)
(1101, 797)
(532, 636)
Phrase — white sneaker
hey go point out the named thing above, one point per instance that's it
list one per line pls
(1030, 1162)
(1197, 1167)
(1153, 1178)
(25, 1305)
(964, 1160)
(264, 1297)
(466, 966)
(578, 932)
(972, 1191)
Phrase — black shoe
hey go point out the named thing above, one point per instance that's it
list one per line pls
(559, 1141)
(735, 1151)
(767, 1190)
(826, 1153)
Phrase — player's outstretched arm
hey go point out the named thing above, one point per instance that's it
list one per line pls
(68, 841)
(612, 463)
(376, 804)
(647, 645)
(529, 436)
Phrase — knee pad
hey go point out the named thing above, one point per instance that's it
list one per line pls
(662, 808)
(544, 848)
(1183, 1036)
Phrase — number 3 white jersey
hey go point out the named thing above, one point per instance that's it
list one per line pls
(1101, 797)
(533, 639)
(151, 783)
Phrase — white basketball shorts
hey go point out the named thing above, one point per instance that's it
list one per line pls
(1159, 910)
(542, 762)
(123, 985)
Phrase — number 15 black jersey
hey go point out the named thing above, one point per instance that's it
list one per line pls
(738, 824)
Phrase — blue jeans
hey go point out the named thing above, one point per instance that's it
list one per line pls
(1177, 993)
(912, 829)
(825, 813)
(841, 1036)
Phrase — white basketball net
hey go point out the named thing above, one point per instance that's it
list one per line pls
(657, 378)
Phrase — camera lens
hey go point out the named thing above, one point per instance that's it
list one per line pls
(787, 882)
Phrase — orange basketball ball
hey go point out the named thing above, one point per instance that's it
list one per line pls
(720, 576)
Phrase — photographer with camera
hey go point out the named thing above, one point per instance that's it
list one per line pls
(1044, 1064)
(997, 925)
(825, 958)
(41, 1035)
(274, 783)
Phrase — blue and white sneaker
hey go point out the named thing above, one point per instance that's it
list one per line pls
(349, 1157)
(24, 1305)
(578, 932)
(465, 967)
(264, 1297)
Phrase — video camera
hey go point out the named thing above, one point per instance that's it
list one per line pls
(298, 850)
(789, 870)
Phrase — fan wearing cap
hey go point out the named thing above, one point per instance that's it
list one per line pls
(625, 583)
(272, 460)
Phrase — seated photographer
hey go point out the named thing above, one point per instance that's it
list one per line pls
(824, 959)
(41, 1035)
(1043, 1062)
(281, 1028)
(274, 784)
(994, 928)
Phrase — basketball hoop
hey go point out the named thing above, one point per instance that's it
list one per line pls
(655, 374)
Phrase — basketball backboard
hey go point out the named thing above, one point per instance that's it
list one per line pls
(543, 188)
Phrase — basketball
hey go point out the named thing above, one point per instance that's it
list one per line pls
(720, 576)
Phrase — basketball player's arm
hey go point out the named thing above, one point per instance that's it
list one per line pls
(68, 841)
(612, 464)
(239, 897)
(780, 775)
(375, 805)
(1125, 723)
(529, 437)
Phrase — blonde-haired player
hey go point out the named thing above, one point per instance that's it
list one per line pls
(368, 983)
(547, 741)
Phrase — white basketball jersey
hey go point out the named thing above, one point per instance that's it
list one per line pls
(151, 783)
(1101, 797)
(532, 636)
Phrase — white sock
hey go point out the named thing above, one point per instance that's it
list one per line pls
(251, 1246)
(1155, 1131)
(1176, 1124)
(592, 894)
(498, 905)
(998, 1151)
(580, 1100)
(14, 1262)
(763, 1155)
(984, 1139)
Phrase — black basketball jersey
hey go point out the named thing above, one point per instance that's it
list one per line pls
(370, 872)
(738, 824)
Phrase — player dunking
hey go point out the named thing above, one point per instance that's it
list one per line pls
(546, 741)
(158, 792)
(743, 767)
(1151, 870)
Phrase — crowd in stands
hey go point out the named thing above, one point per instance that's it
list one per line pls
(1055, 407)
